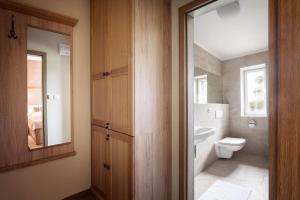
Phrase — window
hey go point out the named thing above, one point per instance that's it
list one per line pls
(254, 91)
(200, 89)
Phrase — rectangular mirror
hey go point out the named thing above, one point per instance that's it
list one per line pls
(48, 88)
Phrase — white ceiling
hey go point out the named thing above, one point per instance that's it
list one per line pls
(241, 35)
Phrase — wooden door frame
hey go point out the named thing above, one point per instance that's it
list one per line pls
(44, 91)
(183, 99)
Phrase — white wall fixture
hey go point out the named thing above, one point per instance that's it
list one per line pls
(219, 114)
(233, 29)
(251, 123)
(212, 7)
(64, 49)
(229, 11)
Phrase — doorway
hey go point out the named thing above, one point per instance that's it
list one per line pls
(203, 89)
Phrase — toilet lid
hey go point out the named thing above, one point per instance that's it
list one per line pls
(232, 141)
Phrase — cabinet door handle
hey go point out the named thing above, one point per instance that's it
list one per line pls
(107, 137)
(106, 73)
(106, 166)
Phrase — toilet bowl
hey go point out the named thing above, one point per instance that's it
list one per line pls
(225, 147)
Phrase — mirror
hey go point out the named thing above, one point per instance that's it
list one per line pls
(48, 88)
(207, 77)
(207, 87)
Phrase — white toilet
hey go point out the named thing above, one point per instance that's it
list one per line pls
(226, 147)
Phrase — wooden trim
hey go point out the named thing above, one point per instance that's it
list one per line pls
(273, 94)
(35, 162)
(120, 71)
(97, 77)
(96, 193)
(80, 195)
(182, 107)
(38, 12)
(24, 157)
(273, 97)
(59, 28)
(51, 146)
(98, 123)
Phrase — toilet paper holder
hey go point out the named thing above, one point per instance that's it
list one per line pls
(251, 123)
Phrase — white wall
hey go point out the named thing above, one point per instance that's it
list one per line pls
(176, 4)
(205, 116)
(58, 179)
(207, 61)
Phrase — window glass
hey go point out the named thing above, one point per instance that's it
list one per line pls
(253, 90)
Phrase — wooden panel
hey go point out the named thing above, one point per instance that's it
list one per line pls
(119, 109)
(50, 26)
(121, 166)
(37, 12)
(100, 151)
(13, 98)
(119, 33)
(152, 99)
(99, 44)
(288, 141)
(99, 102)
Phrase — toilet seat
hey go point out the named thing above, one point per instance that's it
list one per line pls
(232, 141)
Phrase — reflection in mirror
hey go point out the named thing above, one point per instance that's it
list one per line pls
(207, 87)
(48, 88)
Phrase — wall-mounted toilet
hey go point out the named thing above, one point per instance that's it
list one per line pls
(226, 147)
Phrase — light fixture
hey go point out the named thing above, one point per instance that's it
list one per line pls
(229, 11)
(224, 8)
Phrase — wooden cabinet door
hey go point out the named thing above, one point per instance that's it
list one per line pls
(120, 65)
(100, 109)
(99, 62)
(121, 166)
(100, 157)
(99, 43)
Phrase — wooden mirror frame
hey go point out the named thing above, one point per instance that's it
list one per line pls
(19, 155)
(185, 175)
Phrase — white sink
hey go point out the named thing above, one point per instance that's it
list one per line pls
(202, 133)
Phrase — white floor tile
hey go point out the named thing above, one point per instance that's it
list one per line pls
(248, 171)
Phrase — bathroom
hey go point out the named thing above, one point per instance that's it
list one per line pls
(230, 59)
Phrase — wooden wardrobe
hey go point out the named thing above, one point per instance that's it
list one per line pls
(131, 99)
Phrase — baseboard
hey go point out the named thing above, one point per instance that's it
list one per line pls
(80, 195)
(96, 194)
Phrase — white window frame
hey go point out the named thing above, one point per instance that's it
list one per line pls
(244, 92)
(196, 89)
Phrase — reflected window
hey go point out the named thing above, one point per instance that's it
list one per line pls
(200, 89)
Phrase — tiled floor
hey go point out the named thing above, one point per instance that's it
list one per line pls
(249, 171)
